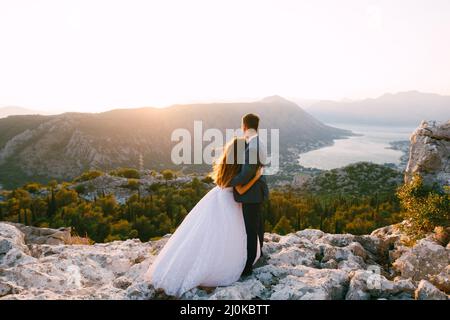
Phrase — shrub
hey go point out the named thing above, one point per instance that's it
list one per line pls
(128, 173)
(426, 207)
(208, 179)
(88, 175)
(33, 187)
(168, 174)
(132, 184)
(80, 189)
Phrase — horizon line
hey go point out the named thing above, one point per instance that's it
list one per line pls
(292, 99)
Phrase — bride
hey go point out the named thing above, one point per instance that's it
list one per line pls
(209, 248)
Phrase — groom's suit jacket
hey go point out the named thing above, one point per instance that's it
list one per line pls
(259, 191)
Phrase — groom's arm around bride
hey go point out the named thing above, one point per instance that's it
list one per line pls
(256, 194)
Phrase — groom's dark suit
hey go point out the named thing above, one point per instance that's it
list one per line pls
(252, 199)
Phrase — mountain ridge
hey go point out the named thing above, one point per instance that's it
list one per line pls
(63, 146)
(402, 108)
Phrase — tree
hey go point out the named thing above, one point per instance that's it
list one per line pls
(168, 175)
(108, 204)
(89, 175)
(51, 204)
(65, 197)
(208, 179)
(126, 173)
(283, 226)
(123, 230)
(144, 228)
(133, 184)
(32, 187)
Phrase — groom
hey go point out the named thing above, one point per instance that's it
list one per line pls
(253, 158)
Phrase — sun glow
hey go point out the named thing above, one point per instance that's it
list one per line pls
(80, 55)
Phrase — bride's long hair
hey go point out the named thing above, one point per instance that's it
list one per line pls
(227, 165)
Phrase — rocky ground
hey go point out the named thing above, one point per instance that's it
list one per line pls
(40, 263)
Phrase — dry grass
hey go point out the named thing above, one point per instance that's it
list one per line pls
(75, 239)
(442, 235)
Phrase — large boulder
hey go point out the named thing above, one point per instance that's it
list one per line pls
(442, 280)
(430, 153)
(311, 284)
(366, 285)
(426, 291)
(424, 260)
(35, 235)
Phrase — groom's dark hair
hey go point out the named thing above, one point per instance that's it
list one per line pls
(251, 121)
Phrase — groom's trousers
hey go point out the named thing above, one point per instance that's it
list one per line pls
(254, 226)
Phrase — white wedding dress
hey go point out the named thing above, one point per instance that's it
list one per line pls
(208, 249)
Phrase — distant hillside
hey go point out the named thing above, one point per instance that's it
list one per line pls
(358, 179)
(12, 111)
(63, 146)
(404, 109)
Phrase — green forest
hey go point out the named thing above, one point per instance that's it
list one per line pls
(164, 207)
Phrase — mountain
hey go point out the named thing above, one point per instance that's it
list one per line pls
(63, 146)
(13, 111)
(400, 109)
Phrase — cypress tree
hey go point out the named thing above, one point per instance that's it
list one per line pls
(51, 207)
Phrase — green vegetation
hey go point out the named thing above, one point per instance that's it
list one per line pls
(427, 207)
(359, 179)
(166, 205)
(168, 174)
(11, 175)
(289, 210)
(89, 175)
(126, 173)
(104, 219)
(14, 125)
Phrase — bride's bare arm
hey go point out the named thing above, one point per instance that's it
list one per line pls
(241, 189)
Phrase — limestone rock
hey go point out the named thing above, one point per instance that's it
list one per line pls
(311, 284)
(246, 290)
(35, 235)
(425, 259)
(430, 153)
(442, 280)
(366, 285)
(426, 291)
(309, 264)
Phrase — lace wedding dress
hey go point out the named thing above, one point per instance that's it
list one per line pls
(209, 248)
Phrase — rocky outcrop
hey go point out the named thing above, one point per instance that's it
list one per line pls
(423, 261)
(107, 184)
(44, 235)
(430, 153)
(426, 291)
(305, 265)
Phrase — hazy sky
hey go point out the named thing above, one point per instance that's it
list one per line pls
(94, 55)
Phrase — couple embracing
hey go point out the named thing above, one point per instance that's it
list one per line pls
(222, 236)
